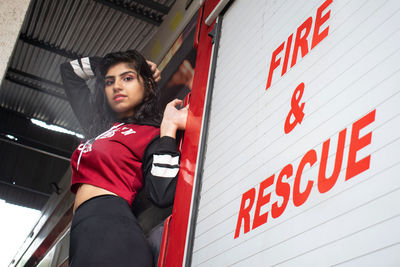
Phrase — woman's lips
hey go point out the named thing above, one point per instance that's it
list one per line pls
(119, 97)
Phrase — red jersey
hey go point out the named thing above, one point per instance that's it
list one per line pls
(113, 160)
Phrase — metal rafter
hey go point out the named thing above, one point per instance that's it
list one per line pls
(18, 80)
(140, 13)
(22, 121)
(34, 77)
(49, 47)
(153, 5)
(37, 147)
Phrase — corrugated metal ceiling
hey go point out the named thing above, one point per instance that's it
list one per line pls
(55, 31)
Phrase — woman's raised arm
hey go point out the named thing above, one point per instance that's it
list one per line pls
(74, 75)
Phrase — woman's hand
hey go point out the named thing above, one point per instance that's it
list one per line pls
(156, 72)
(174, 119)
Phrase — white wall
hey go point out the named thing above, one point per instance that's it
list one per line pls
(12, 14)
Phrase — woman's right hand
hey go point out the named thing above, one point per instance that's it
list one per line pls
(173, 119)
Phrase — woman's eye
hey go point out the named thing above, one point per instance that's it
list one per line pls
(108, 83)
(129, 78)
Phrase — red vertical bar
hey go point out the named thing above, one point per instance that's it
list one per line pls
(180, 215)
(164, 243)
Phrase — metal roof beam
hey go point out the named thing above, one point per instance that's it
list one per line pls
(27, 189)
(153, 5)
(37, 147)
(22, 196)
(49, 47)
(14, 79)
(34, 77)
(134, 12)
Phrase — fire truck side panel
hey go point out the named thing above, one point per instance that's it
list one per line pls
(303, 171)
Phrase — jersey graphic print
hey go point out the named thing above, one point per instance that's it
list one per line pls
(85, 148)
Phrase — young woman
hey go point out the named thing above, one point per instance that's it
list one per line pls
(126, 147)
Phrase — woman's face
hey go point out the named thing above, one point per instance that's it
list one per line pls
(124, 89)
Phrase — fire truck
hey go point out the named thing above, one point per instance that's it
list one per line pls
(290, 154)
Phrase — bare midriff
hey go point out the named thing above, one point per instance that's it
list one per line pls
(87, 191)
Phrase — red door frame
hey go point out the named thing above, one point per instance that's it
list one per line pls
(178, 226)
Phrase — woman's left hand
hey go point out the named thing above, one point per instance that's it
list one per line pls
(174, 119)
(155, 70)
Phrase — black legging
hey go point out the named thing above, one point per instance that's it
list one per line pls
(104, 232)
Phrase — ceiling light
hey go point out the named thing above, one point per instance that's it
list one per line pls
(9, 136)
(55, 128)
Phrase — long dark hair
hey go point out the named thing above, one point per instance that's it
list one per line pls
(146, 113)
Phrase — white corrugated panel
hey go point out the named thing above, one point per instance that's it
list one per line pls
(351, 81)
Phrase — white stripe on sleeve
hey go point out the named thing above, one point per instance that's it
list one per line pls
(164, 172)
(86, 67)
(166, 159)
(77, 69)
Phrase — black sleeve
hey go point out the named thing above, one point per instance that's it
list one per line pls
(74, 75)
(160, 170)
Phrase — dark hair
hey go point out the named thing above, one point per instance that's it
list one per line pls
(145, 113)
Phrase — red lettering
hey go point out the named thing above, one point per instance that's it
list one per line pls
(356, 143)
(282, 190)
(244, 212)
(325, 183)
(287, 53)
(261, 201)
(299, 198)
(319, 20)
(301, 41)
(274, 64)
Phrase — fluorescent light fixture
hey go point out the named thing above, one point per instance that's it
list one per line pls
(12, 137)
(55, 128)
